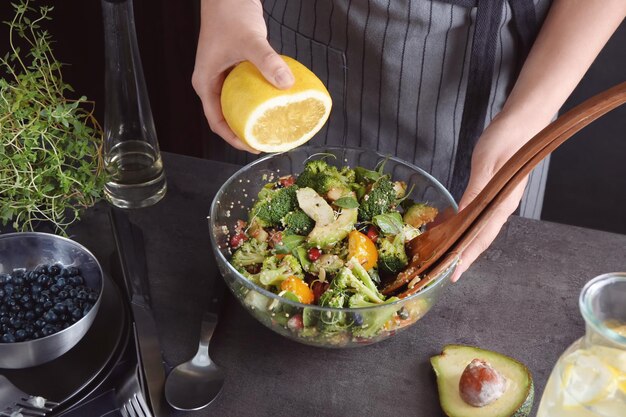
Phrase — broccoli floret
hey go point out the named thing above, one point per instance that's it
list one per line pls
(364, 276)
(333, 321)
(251, 252)
(346, 280)
(379, 200)
(392, 255)
(373, 321)
(322, 177)
(298, 223)
(330, 263)
(275, 205)
(275, 270)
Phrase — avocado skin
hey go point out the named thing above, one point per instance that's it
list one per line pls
(522, 411)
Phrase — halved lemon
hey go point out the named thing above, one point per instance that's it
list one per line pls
(269, 119)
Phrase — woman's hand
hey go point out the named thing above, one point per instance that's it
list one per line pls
(232, 31)
(494, 148)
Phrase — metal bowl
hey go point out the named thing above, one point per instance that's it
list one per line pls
(28, 250)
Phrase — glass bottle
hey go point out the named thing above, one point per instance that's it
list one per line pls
(589, 379)
(131, 151)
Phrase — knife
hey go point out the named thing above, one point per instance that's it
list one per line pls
(130, 249)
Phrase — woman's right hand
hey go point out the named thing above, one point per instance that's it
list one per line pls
(232, 31)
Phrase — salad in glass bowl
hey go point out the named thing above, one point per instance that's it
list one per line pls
(307, 239)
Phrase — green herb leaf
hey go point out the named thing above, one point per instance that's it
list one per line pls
(347, 202)
(389, 223)
(363, 174)
(289, 243)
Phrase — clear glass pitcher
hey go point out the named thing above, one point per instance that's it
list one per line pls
(589, 379)
(131, 151)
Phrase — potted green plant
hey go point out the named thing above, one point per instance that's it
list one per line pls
(50, 144)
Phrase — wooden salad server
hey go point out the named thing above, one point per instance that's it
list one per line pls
(429, 248)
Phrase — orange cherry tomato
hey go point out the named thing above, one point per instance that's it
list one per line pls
(299, 288)
(363, 248)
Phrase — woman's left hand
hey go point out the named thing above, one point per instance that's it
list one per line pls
(494, 148)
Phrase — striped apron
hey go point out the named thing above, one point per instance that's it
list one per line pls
(418, 79)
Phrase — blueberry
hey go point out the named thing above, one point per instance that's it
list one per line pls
(48, 330)
(4, 278)
(35, 289)
(50, 316)
(44, 280)
(55, 269)
(64, 272)
(93, 297)
(77, 280)
(8, 338)
(38, 310)
(69, 303)
(16, 323)
(39, 323)
(42, 269)
(29, 329)
(30, 316)
(82, 295)
(4, 320)
(18, 281)
(86, 308)
(20, 335)
(21, 314)
(60, 308)
(63, 294)
(2, 293)
(25, 298)
(77, 313)
(357, 319)
(36, 335)
(31, 276)
(73, 271)
(47, 305)
(55, 289)
(61, 282)
(16, 307)
(9, 288)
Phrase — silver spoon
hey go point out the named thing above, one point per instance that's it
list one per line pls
(196, 383)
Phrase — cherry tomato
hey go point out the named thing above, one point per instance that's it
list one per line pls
(237, 240)
(314, 254)
(299, 288)
(372, 233)
(362, 247)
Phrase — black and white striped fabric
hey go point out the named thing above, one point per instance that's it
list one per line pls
(418, 79)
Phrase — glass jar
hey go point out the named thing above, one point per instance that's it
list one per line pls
(131, 152)
(589, 379)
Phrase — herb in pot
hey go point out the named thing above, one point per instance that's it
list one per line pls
(50, 145)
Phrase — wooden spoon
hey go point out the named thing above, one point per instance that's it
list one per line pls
(429, 247)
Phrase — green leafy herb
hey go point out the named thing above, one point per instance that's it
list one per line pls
(347, 202)
(289, 243)
(50, 145)
(363, 174)
(389, 223)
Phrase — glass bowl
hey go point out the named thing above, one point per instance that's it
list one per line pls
(311, 324)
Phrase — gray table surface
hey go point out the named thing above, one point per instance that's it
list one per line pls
(520, 298)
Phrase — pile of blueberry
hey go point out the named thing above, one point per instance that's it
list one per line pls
(41, 302)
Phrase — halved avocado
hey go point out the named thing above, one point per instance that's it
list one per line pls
(516, 401)
(329, 235)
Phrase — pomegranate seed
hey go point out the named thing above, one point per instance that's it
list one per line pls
(237, 240)
(314, 254)
(372, 234)
(295, 322)
(287, 181)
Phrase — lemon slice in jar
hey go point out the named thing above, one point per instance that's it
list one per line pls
(585, 380)
(269, 119)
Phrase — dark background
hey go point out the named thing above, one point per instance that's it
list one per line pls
(587, 178)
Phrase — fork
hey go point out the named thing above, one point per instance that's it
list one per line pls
(16, 403)
(130, 399)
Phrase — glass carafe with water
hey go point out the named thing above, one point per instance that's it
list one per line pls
(131, 151)
(589, 379)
